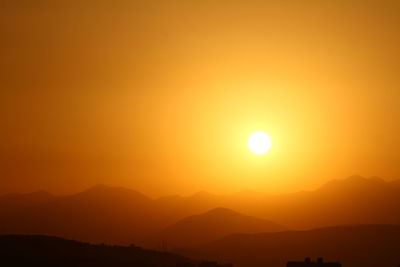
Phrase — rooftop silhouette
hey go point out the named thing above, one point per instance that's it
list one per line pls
(308, 262)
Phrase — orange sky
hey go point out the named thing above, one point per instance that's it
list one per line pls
(160, 96)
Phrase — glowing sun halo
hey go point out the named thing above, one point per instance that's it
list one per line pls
(259, 143)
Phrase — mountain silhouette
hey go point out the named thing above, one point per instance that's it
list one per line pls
(213, 225)
(354, 200)
(356, 246)
(122, 216)
(42, 251)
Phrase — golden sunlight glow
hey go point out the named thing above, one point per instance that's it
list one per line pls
(259, 143)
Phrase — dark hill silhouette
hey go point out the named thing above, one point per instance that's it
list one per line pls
(49, 251)
(356, 246)
(213, 225)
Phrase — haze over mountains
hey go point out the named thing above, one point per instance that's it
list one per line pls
(123, 216)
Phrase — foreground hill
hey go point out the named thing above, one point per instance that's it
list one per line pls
(355, 246)
(52, 251)
(213, 225)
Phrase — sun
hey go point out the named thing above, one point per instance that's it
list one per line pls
(259, 143)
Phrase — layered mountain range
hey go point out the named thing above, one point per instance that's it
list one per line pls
(122, 216)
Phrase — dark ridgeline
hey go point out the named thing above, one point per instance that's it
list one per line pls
(46, 251)
(308, 263)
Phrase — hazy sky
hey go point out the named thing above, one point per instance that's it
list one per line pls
(161, 96)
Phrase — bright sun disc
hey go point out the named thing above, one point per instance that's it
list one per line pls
(259, 143)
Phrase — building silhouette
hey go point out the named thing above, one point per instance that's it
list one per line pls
(308, 263)
(201, 264)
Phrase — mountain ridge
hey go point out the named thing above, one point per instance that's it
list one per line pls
(214, 224)
(134, 217)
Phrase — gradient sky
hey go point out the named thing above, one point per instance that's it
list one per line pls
(161, 96)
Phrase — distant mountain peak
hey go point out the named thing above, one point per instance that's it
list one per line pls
(202, 193)
(100, 190)
(222, 211)
(39, 193)
(352, 181)
(359, 178)
(355, 177)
